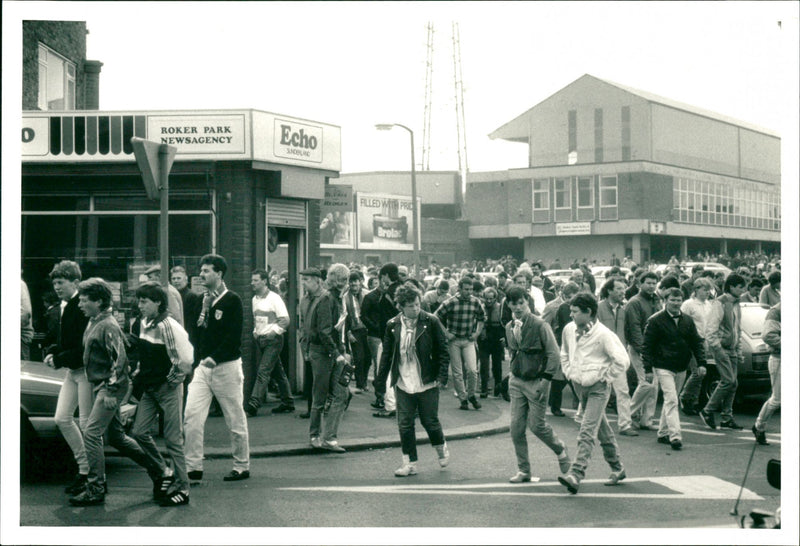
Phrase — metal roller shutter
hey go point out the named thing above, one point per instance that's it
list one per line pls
(286, 213)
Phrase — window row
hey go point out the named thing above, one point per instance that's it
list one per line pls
(715, 203)
(572, 199)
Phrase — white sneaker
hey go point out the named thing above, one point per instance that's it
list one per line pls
(408, 469)
(444, 454)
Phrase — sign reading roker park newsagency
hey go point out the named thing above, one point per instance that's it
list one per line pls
(97, 136)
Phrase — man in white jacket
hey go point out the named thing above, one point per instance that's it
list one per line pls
(592, 357)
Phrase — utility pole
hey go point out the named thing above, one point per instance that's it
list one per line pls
(426, 123)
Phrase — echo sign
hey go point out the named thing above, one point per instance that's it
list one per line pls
(298, 141)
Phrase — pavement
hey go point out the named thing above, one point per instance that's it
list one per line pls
(287, 434)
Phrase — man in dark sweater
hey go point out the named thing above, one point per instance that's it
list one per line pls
(76, 391)
(670, 340)
(219, 372)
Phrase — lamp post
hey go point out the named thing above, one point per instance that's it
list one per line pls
(414, 206)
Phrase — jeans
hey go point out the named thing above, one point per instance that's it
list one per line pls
(308, 383)
(100, 420)
(670, 422)
(528, 406)
(376, 350)
(643, 402)
(495, 352)
(269, 364)
(694, 383)
(462, 354)
(427, 404)
(169, 398)
(326, 383)
(223, 382)
(622, 392)
(722, 398)
(774, 401)
(594, 426)
(361, 357)
(76, 392)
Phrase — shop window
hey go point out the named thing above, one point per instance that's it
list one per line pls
(56, 81)
(541, 200)
(585, 198)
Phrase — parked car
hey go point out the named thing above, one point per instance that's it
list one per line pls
(41, 443)
(599, 274)
(753, 375)
(708, 266)
(558, 275)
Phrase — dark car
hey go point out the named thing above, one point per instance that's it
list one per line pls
(41, 443)
(753, 375)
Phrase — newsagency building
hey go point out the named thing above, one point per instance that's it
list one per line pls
(617, 171)
(246, 184)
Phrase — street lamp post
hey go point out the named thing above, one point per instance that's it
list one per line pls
(414, 205)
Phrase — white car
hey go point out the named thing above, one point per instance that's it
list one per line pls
(599, 274)
(561, 276)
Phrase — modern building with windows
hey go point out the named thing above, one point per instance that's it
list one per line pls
(615, 171)
(246, 184)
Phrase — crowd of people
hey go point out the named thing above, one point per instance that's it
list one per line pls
(412, 332)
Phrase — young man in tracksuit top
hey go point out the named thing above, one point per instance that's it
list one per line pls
(165, 357)
(670, 341)
(219, 372)
(592, 357)
(107, 370)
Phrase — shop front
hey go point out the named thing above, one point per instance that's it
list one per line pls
(245, 184)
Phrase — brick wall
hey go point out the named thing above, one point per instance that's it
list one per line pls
(67, 38)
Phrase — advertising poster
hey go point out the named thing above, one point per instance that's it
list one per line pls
(337, 219)
(385, 222)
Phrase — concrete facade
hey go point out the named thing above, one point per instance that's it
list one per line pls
(615, 170)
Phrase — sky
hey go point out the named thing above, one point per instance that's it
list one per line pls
(358, 64)
(355, 65)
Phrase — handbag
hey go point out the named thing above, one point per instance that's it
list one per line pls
(530, 362)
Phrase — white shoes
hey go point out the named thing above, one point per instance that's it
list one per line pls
(444, 454)
(520, 477)
(408, 468)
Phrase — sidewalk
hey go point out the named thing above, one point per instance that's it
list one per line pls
(286, 434)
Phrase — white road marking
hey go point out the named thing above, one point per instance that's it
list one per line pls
(681, 487)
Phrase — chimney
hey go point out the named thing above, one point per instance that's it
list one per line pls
(92, 90)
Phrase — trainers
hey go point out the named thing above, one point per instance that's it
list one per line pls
(474, 402)
(761, 436)
(161, 487)
(378, 403)
(235, 476)
(385, 414)
(563, 460)
(708, 419)
(688, 410)
(464, 405)
(677, 445)
(251, 410)
(629, 431)
(443, 453)
(283, 408)
(178, 498)
(520, 477)
(316, 442)
(408, 469)
(87, 497)
(195, 476)
(77, 485)
(333, 446)
(616, 477)
(663, 440)
(731, 424)
(570, 482)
